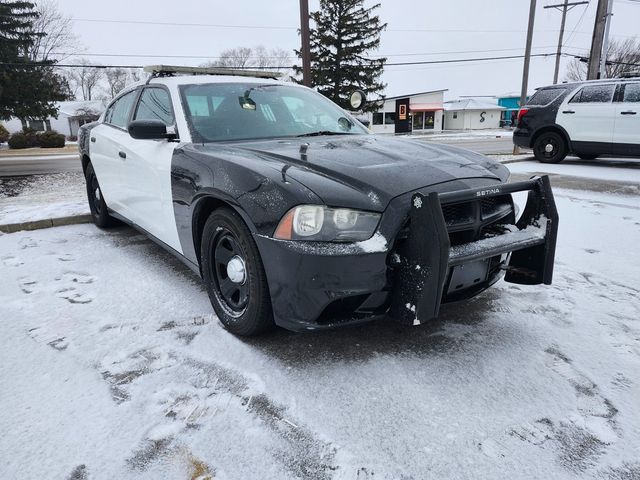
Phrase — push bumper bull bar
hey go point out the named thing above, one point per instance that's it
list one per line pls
(427, 259)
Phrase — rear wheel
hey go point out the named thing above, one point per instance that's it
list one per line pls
(550, 147)
(234, 275)
(587, 157)
(97, 205)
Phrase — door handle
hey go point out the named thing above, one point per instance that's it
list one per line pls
(122, 155)
(93, 139)
(568, 111)
(628, 112)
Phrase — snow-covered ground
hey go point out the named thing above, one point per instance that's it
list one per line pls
(616, 169)
(463, 134)
(112, 365)
(40, 197)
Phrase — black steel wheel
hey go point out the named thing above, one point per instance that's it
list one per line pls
(97, 204)
(230, 269)
(550, 147)
(234, 275)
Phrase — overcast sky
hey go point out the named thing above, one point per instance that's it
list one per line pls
(418, 30)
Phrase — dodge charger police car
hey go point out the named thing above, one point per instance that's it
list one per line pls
(294, 214)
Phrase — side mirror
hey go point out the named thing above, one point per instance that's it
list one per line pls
(358, 99)
(149, 130)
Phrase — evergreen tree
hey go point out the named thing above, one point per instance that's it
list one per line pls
(28, 89)
(343, 34)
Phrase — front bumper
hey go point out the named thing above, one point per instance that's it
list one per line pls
(428, 260)
(320, 285)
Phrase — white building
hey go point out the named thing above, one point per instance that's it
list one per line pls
(471, 114)
(71, 115)
(424, 113)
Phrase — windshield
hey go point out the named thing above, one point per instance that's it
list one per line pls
(241, 111)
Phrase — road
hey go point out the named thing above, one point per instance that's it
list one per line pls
(486, 146)
(33, 165)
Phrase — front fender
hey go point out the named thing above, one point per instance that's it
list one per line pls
(260, 194)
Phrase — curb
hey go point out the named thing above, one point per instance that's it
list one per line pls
(47, 223)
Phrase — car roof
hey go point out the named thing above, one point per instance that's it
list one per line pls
(204, 79)
(589, 82)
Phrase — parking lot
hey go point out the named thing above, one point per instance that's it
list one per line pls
(118, 368)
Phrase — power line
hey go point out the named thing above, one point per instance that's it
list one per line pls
(142, 55)
(285, 27)
(396, 64)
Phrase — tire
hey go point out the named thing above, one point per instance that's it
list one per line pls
(550, 147)
(239, 293)
(97, 205)
(587, 157)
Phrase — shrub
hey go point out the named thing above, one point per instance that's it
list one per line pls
(4, 134)
(30, 138)
(18, 140)
(51, 139)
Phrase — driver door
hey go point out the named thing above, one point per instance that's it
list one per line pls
(146, 172)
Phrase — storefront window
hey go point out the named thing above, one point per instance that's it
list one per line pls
(390, 118)
(377, 118)
(418, 120)
(429, 119)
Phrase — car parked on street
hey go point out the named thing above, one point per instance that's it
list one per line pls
(294, 214)
(587, 119)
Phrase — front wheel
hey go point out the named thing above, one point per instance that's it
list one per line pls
(234, 275)
(550, 147)
(97, 205)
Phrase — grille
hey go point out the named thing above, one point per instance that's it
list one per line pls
(458, 213)
(469, 221)
(492, 205)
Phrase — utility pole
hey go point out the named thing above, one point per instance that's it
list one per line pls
(593, 71)
(306, 42)
(564, 8)
(605, 43)
(527, 60)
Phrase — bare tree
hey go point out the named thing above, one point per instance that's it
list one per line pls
(623, 56)
(55, 33)
(135, 75)
(117, 79)
(86, 79)
(246, 57)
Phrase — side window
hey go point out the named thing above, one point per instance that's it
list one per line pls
(594, 94)
(631, 92)
(545, 97)
(155, 104)
(118, 113)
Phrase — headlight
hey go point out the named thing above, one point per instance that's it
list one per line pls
(324, 224)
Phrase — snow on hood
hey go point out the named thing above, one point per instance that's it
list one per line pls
(370, 170)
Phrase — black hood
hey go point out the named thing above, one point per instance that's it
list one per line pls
(367, 171)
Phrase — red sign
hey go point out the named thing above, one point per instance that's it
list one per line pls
(402, 114)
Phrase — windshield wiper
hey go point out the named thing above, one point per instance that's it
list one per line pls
(322, 133)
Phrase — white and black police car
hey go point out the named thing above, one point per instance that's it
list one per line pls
(294, 214)
(587, 119)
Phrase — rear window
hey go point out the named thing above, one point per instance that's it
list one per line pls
(545, 97)
(594, 94)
